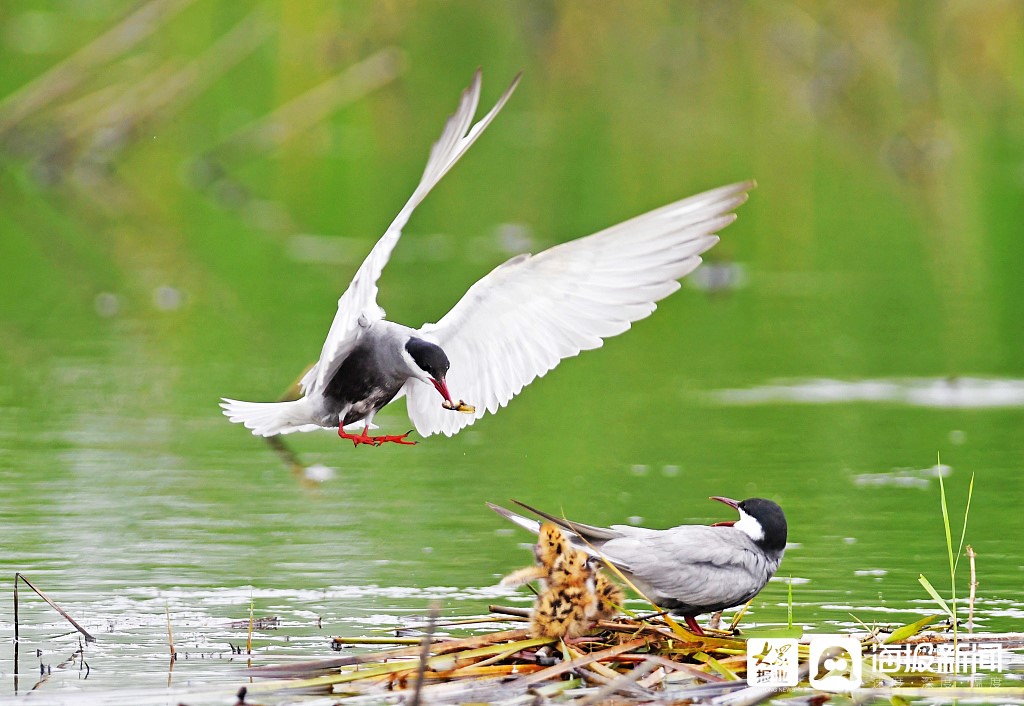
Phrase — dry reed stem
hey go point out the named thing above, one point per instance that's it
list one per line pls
(596, 666)
(569, 665)
(421, 668)
(621, 682)
(170, 635)
(248, 639)
(49, 601)
(974, 589)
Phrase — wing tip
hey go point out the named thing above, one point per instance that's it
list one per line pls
(514, 84)
(475, 83)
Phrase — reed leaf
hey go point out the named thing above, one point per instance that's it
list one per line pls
(717, 666)
(902, 633)
(935, 596)
(963, 532)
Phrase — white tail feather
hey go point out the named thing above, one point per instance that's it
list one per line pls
(270, 418)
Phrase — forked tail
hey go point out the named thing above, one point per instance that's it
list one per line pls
(270, 418)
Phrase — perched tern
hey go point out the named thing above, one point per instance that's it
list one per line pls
(512, 326)
(689, 569)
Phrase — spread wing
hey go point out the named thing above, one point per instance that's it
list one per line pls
(523, 318)
(358, 307)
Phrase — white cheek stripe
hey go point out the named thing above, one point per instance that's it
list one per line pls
(749, 526)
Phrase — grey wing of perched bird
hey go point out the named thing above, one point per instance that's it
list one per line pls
(691, 568)
(713, 567)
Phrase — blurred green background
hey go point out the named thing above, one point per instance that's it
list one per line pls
(186, 188)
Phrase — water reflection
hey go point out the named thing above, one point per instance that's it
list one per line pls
(904, 477)
(950, 392)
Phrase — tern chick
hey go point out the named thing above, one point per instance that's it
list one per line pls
(574, 593)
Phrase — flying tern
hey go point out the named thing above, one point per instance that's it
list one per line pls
(512, 326)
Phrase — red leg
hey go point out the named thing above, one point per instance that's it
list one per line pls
(691, 622)
(363, 438)
(399, 439)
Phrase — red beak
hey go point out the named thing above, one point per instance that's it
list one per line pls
(441, 388)
(731, 503)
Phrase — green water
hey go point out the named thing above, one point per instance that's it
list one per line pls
(142, 278)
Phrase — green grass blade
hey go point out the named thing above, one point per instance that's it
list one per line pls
(963, 532)
(789, 606)
(935, 595)
(949, 552)
(945, 523)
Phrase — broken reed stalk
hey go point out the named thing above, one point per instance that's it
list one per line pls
(974, 589)
(248, 640)
(49, 601)
(421, 668)
(170, 635)
(16, 621)
(735, 622)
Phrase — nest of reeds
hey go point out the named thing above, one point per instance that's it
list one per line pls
(574, 644)
(648, 659)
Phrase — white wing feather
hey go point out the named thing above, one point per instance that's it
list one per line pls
(359, 302)
(523, 318)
